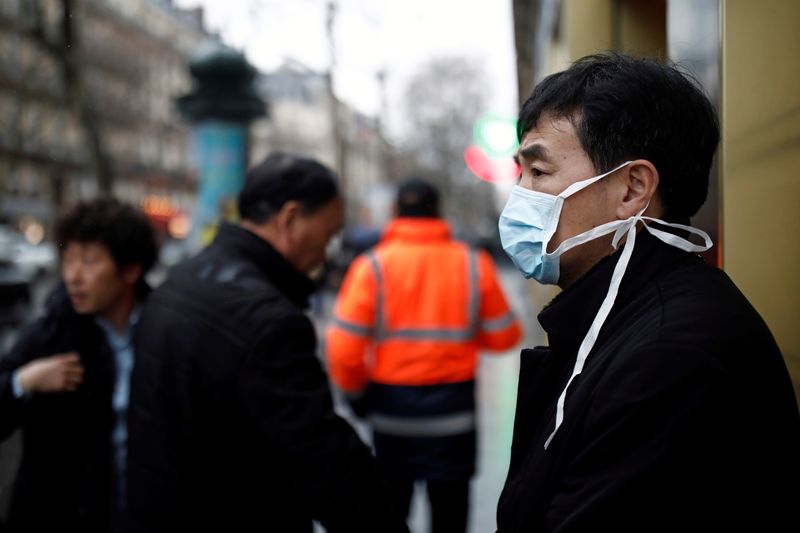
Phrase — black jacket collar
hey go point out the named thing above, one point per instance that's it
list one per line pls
(568, 317)
(295, 285)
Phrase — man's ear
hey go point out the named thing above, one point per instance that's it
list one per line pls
(283, 223)
(640, 183)
(276, 229)
(287, 214)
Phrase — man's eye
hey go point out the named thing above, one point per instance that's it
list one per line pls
(535, 172)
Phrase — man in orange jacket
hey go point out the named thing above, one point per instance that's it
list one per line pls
(408, 322)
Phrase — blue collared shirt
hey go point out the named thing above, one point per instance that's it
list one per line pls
(122, 346)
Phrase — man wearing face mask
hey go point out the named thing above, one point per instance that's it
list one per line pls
(231, 420)
(662, 402)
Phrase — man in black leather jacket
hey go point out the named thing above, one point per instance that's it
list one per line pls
(232, 423)
(662, 402)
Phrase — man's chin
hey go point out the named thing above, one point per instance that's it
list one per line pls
(82, 307)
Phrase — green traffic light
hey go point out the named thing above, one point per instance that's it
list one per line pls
(496, 135)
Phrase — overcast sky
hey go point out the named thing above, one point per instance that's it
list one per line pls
(372, 35)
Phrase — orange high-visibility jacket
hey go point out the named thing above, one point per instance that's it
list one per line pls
(416, 309)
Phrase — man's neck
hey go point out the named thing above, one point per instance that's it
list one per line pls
(118, 315)
(265, 231)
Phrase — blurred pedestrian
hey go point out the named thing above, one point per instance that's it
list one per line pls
(409, 320)
(65, 381)
(662, 402)
(232, 421)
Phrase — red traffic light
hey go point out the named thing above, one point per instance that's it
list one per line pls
(487, 169)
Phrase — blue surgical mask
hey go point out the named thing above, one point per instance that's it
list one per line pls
(527, 224)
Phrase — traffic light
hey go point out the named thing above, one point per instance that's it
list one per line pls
(496, 135)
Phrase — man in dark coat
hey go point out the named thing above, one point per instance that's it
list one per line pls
(65, 381)
(232, 423)
(662, 402)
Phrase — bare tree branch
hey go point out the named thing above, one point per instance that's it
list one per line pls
(442, 102)
(65, 50)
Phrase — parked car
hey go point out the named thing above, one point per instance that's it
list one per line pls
(33, 260)
(15, 295)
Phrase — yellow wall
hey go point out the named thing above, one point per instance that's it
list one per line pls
(643, 27)
(636, 27)
(587, 27)
(760, 157)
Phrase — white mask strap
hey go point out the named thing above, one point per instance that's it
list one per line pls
(579, 185)
(680, 242)
(622, 227)
(597, 323)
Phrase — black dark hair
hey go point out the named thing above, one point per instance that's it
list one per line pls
(282, 177)
(417, 198)
(123, 229)
(629, 108)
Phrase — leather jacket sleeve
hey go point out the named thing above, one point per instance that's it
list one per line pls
(26, 348)
(285, 393)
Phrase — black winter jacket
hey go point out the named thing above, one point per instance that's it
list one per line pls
(683, 419)
(231, 420)
(64, 482)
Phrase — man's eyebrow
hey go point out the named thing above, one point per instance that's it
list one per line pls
(533, 152)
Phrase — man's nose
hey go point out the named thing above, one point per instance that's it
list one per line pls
(72, 273)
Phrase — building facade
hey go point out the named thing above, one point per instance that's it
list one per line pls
(306, 118)
(127, 59)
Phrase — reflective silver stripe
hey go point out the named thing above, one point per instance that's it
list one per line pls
(474, 298)
(380, 325)
(498, 324)
(355, 329)
(430, 334)
(459, 335)
(429, 426)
